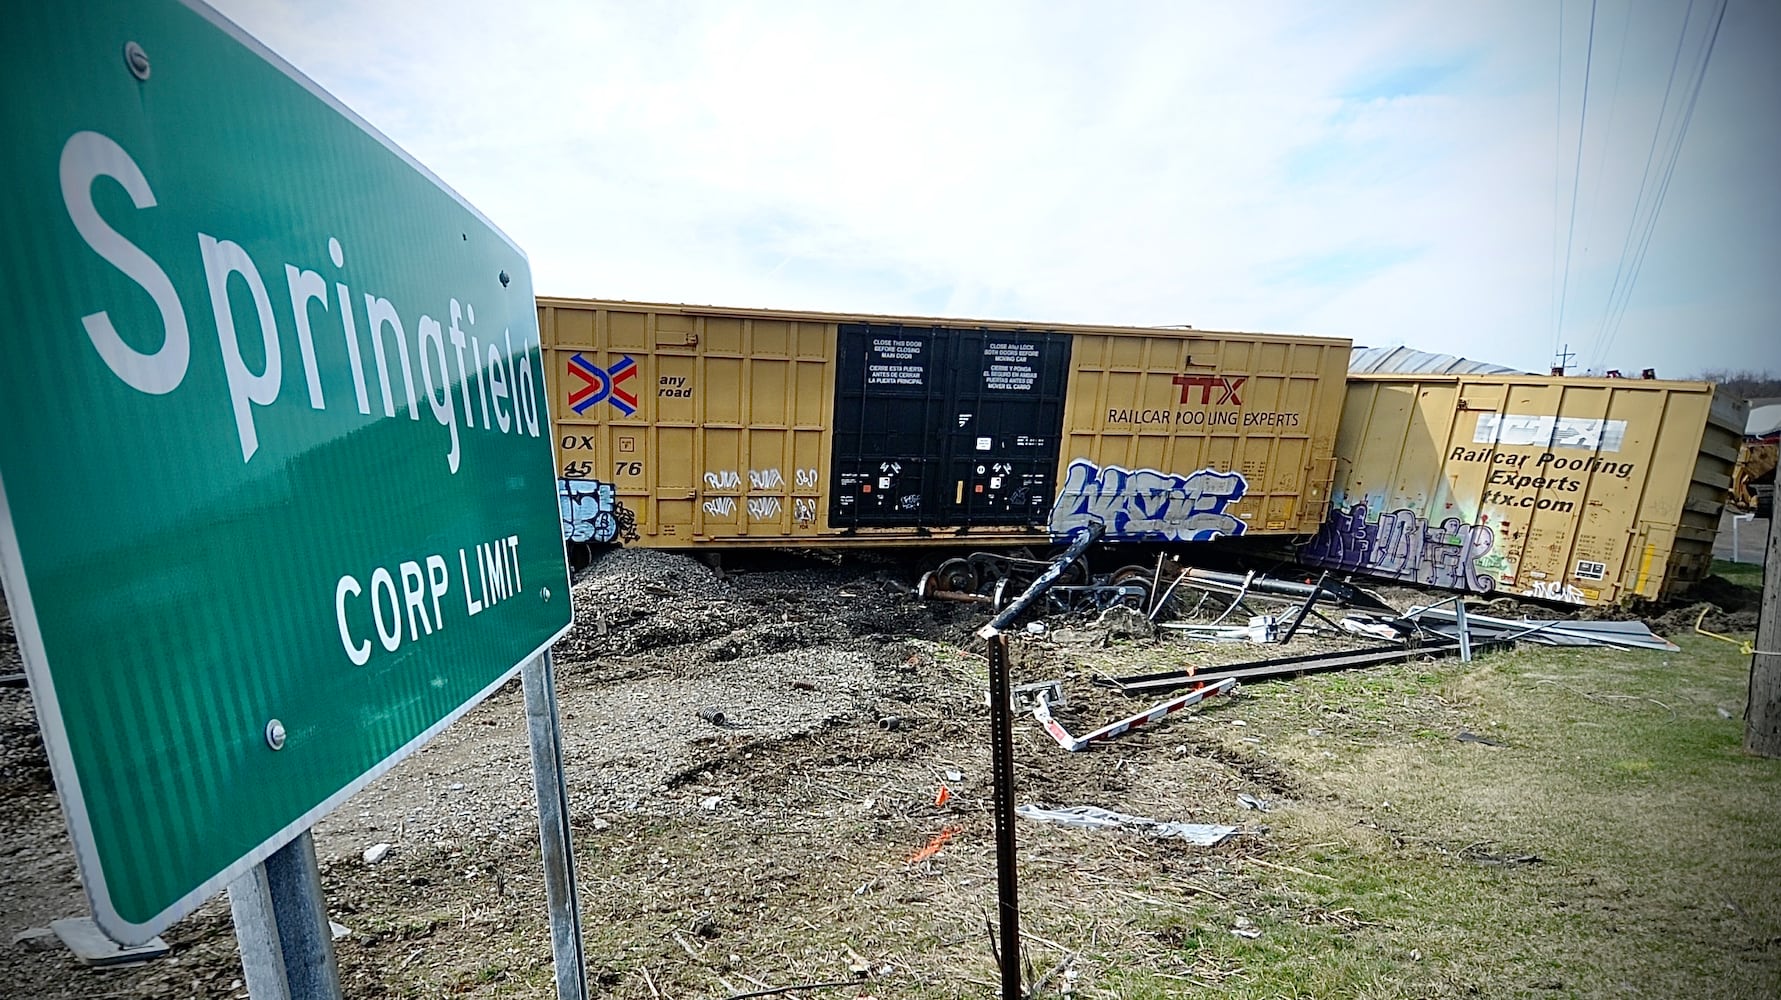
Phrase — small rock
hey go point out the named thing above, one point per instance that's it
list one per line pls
(377, 852)
(955, 775)
(339, 931)
(457, 786)
(1122, 622)
(710, 802)
(600, 824)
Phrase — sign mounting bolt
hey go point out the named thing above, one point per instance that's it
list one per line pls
(275, 734)
(544, 592)
(136, 59)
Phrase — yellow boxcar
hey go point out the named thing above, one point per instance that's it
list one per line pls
(1582, 490)
(681, 426)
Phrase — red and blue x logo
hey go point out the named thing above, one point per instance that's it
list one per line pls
(602, 383)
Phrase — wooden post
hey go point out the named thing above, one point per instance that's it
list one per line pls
(1762, 719)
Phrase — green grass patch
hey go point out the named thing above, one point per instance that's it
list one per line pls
(1619, 844)
(1743, 574)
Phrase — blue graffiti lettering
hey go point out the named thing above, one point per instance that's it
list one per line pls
(1144, 505)
(592, 512)
(1402, 545)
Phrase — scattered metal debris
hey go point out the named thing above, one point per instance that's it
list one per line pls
(1343, 594)
(1027, 695)
(1548, 632)
(1096, 818)
(1287, 666)
(1261, 630)
(1375, 627)
(1042, 712)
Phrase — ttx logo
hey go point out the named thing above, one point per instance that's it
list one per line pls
(1226, 386)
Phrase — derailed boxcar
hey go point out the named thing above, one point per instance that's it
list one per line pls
(1583, 490)
(681, 426)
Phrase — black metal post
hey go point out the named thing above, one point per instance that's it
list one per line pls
(1001, 728)
(1001, 718)
(1304, 609)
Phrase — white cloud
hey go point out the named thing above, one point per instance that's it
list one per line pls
(1387, 176)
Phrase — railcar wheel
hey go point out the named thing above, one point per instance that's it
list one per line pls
(1133, 576)
(956, 575)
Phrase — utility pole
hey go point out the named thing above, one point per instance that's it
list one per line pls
(1563, 360)
(1762, 719)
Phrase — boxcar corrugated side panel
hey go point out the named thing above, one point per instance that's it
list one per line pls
(675, 428)
(1237, 430)
(685, 425)
(1588, 491)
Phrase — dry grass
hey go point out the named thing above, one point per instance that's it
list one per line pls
(1617, 845)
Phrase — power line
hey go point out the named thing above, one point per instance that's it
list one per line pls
(1669, 171)
(1597, 343)
(1558, 146)
(1577, 174)
(1601, 166)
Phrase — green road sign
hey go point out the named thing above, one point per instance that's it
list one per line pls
(277, 500)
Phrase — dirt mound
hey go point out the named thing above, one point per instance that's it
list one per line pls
(1724, 594)
(1728, 606)
(1681, 619)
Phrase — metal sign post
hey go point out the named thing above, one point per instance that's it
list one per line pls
(544, 729)
(281, 926)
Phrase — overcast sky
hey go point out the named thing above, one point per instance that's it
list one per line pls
(1396, 173)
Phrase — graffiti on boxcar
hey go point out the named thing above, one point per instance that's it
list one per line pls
(763, 508)
(804, 509)
(1146, 505)
(765, 479)
(725, 479)
(1403, 545)
(807, 479)
(592, 512)
(720, 506)
(1555, 590)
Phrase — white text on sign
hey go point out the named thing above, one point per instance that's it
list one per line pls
(413, 595)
